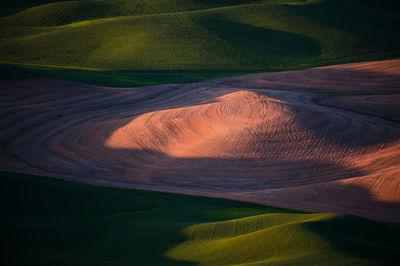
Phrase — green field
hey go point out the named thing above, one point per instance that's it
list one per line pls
(196, 35)
(125, 78)
(52, 222)
(121, 43)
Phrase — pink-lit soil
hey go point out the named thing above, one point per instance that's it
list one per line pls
(266, 138)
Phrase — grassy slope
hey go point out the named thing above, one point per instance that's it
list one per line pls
(200, 35)
(55, 11)
(53, 222)
(125, 78)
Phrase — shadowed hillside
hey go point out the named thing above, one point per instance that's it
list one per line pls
(53, 222)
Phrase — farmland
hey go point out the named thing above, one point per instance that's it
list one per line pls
(199, 132)
(54, 222)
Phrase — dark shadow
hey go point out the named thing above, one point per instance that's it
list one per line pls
(54, 222)
(376, 242)
(372, 22)
(261, 41)
(148, 168)
(46, 221)
(381, 106)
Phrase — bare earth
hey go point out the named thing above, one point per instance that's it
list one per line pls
(268, 138)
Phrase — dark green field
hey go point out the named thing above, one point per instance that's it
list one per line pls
(153, 42)
(52, 222)
(127, 78)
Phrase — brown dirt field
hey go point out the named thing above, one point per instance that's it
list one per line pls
(379, 77)
(231, 138)
(384, 106)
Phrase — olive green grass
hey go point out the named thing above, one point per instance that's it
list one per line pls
(197, 35)
(47, 221)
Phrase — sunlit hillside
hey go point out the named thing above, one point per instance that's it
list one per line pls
(52, 222)
(197, 35)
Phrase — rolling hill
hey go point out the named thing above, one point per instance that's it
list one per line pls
(318, 140)
(176, 35)
(54, 222)
(295, 139)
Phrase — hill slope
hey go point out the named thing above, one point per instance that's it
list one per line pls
(53, 222)
(199, 35)
(278, 146)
